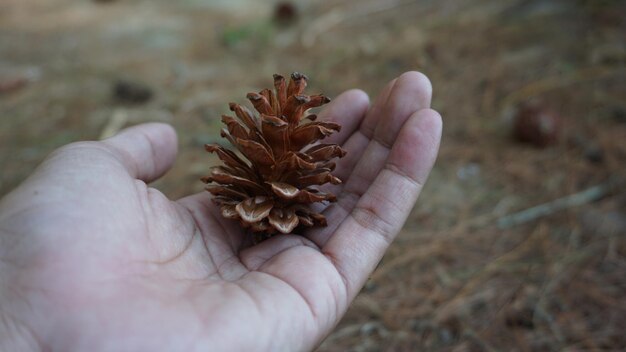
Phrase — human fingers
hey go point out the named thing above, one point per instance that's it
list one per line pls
(358, 139)
(355, 143)
(410, 92)
(348, 110)
(362, 238)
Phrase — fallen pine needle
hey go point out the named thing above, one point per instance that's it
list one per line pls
(577, 199)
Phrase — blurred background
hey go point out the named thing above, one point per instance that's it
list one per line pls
(518, 240)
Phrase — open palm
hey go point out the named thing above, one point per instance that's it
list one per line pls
(91, 258)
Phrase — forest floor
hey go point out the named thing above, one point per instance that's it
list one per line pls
(462, 275)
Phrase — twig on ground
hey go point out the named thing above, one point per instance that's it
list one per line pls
(577, 199)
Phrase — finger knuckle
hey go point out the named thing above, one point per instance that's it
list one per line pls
(370, 217)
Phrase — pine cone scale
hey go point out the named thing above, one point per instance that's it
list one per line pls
(254, 209)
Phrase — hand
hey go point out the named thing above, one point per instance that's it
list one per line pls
(91, 258)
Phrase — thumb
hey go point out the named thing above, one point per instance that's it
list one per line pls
(147, 150)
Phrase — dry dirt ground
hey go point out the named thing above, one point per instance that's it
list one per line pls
(462, 276)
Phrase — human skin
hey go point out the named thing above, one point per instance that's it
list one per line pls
(94, 259)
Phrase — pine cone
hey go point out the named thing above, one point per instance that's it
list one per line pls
(271, 188)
